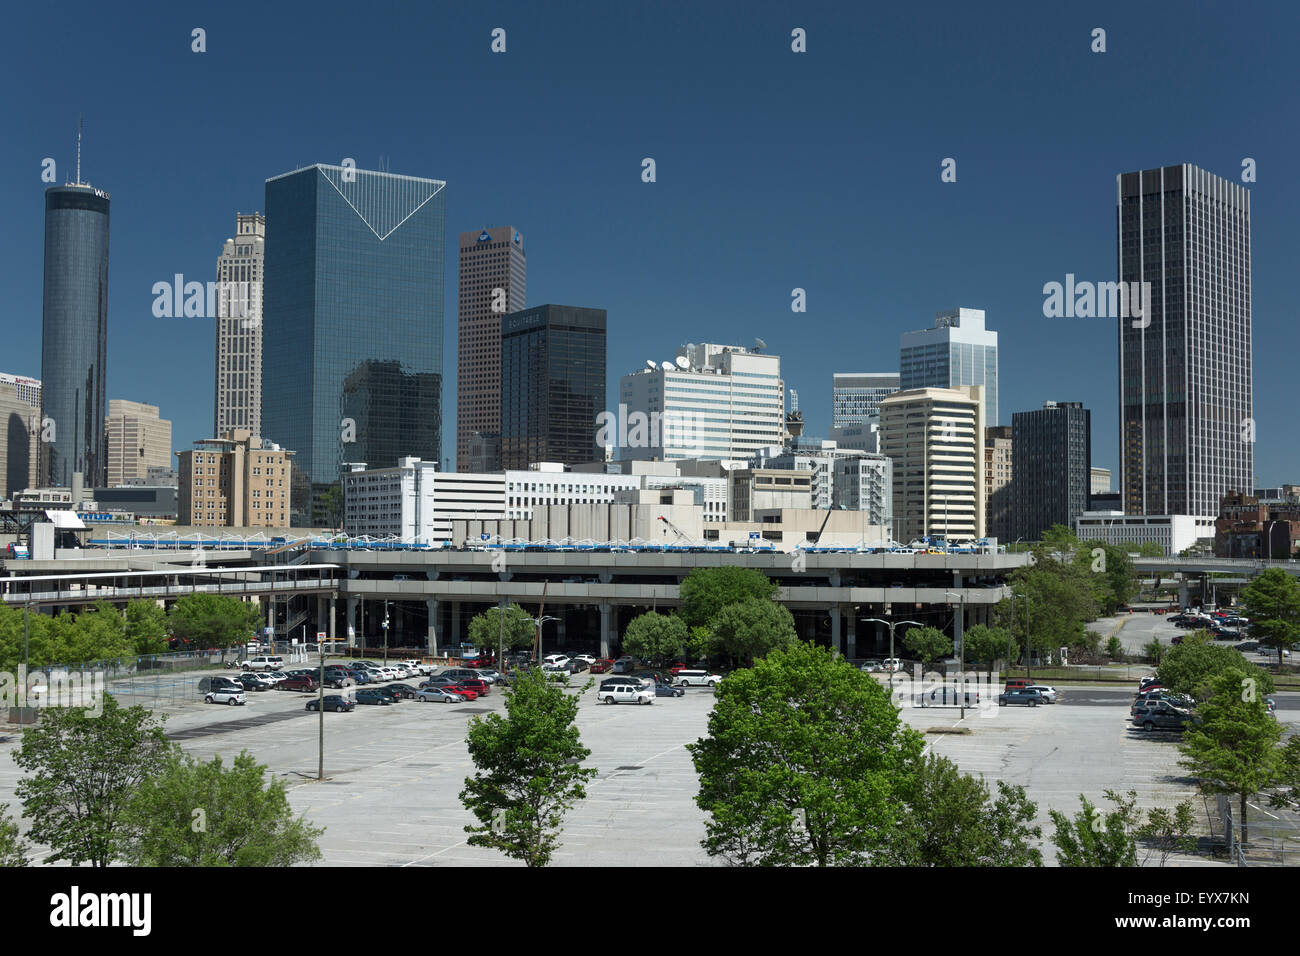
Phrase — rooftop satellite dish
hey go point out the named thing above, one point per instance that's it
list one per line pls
(759, 344)
(650, 363)
(682, 361)
(667, 366)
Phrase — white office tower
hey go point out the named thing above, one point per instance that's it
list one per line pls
(856, 396)
(239, 327)
(714, 402)
(935, 437)
(957, 352)
(865, 483)
(415, 502)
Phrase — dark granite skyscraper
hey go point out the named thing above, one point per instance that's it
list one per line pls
(1051, 467)
(1185, 372)
(552, 385)
(74, 335)
(352, 318)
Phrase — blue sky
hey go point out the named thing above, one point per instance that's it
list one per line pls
(775, 170)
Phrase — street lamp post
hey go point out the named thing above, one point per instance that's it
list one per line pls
(385, 627)
(961, 648)
(891, 625)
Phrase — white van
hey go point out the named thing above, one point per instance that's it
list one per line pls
(696, 678)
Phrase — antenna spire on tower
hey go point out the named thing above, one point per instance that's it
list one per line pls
(79, 117)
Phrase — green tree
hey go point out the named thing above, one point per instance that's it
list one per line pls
(84, 770)
(203, 814)
(1154, 651)
(515, 631)
(1053, 601)
(214, 620)
(13, 849)
(803, 761)
(1168, 832)
(706, 591)
(1272, 602)
(1233, 746)
(1287, 794)
(1058, 538)
(951, 820)
(529, 770)
(927, 644)
(1192, 666)
(655, 637)
(1094, 839)
(146, 626)
(1151, 549)
(1110, 571)
(986, 645)
(752, 628)
(331, 506)
(1115, 648)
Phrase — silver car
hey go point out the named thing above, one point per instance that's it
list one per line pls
(1050, 695)
(439, 695)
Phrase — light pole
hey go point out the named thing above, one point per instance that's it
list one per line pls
(27, 610)
(961, 648)
(891, 625)
(539, 621)
(385, 627)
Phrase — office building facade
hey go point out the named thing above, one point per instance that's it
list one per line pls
(352, 358)
(137, 441)
(958, 352)
(235, 481)
(552, 385)
(935, 438)
(492, 284)
(856, 396)
(865, 483)
(1185, 372)
(717, 402)
(1052, 453)
(74, 335)
(19, 438)
(240, 274)
(999, 495)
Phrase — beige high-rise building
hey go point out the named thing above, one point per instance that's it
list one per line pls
(137, 440)
(935, 437)
(239, 327)
(493, 269)
(999, 503)
(19, 436)
(235, 481)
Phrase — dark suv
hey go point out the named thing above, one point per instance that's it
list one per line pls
(1020, 695)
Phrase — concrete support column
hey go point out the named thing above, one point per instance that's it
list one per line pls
(320, 615)
(431, 633)
(351, 613)
(560, 637)
(836, 626)
(333, 612)
(851, 648)
(606, 628)
(456, 636)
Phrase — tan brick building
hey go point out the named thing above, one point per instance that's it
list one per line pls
(235, 481)
(137, 440)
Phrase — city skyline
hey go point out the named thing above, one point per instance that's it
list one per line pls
(660, 295)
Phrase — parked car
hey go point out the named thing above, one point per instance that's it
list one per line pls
(488, 674)
(420, 667)
(625, 692)
(1161, 715)
(440, 694)
(478, 686)
(668, 690)
(402, 691)
(297, 683)
(556, 660)
(251, 681)
(334, 702)
(469, 693)
(891, 665)
(371, 696)
(1049, 694)
(218, 682)
(263, 663)
(871, 666)
(439, 681)
(624, 665)
(393, 696)
(1020, 695)
(601, 665)
(225, 695)
(339, 677)
(460, 673)
(556, 672)
(577, 665)
(686, 678)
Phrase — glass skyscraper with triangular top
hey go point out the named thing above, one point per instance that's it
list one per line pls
(352, 352)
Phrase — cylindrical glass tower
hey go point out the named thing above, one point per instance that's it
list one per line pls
(74, 336)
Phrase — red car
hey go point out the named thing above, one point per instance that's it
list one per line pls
(467, 692)
(479, 687)
(300, 682)
(601, 666)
